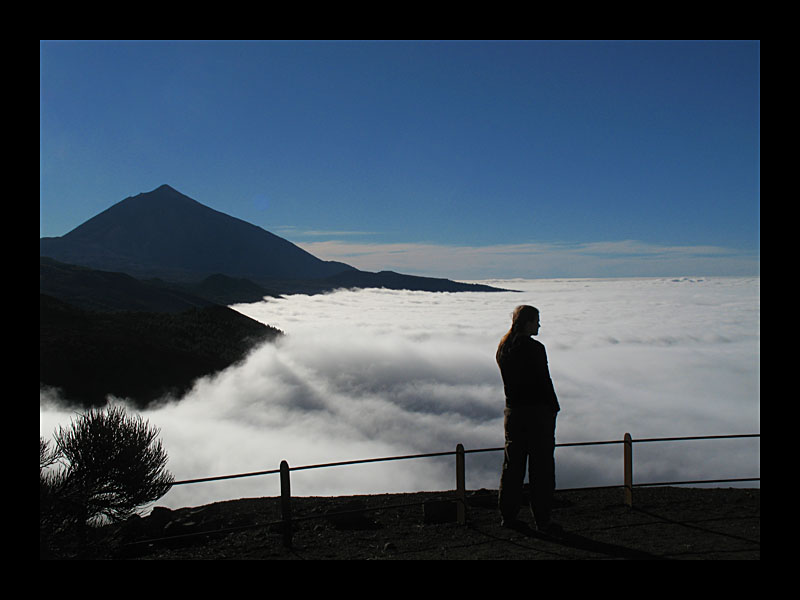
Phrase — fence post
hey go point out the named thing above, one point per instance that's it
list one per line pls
(628, 460)
(461, 491)
(286, 504)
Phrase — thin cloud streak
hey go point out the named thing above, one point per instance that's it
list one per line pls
(628, 258)
(291, 230)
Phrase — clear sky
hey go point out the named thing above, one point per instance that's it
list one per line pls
(457, 159)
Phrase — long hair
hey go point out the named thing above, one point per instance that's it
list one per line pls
(522, 315)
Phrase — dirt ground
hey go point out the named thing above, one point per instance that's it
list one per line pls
(665, 523)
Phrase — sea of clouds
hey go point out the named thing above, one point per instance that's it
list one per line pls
(376, 373)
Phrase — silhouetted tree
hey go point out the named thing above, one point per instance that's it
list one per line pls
(113, 464)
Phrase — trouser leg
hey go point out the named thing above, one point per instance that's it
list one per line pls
(514, 461)
(542, 468)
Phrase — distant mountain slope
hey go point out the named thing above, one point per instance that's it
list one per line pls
(166, 234)
(228, 290)
(138, 355)
(107, 291)
(398, 281)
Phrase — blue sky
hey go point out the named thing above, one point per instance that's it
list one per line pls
(464, 159)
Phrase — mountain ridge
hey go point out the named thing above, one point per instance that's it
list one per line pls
(166, 234)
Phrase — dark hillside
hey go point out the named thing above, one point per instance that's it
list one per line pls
(224, 290)
(109, 292)
(138, 355)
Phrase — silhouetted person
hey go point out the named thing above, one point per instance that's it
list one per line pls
(529, 421)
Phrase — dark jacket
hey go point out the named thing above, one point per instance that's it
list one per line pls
(526, 377)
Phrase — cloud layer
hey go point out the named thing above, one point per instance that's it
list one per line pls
(376, 373)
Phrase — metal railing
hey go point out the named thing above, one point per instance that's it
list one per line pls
(460, 492)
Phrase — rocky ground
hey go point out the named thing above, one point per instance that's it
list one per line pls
(665, 523)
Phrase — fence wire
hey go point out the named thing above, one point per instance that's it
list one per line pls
(286, 521)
